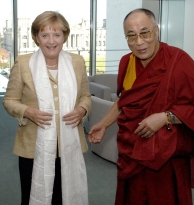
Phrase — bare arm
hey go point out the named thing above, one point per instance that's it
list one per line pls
(98, 130)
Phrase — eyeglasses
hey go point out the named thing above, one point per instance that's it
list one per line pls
(131, 38)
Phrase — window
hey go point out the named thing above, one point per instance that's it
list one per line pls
(24, 45)
(110, 41)
(33, 45)
(6, 43)
(79, 23)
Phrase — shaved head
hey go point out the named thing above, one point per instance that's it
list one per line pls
(147, 12)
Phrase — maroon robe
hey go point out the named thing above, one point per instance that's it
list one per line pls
(160, 164)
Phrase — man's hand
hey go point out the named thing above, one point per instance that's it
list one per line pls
(96, 133)
(150, 125)
(98, 130)
(37, 116)
(74, 117)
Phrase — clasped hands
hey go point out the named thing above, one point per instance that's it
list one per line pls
(42, 118)
(145, 129)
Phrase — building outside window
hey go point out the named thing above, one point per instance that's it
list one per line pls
(24, 45)
(6, 43)
(110, 40)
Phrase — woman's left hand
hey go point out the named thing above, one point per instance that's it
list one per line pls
(74, 117)
(150, 125)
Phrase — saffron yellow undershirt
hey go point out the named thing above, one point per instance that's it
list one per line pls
(130, 75)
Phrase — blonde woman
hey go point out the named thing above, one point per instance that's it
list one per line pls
(49, 96)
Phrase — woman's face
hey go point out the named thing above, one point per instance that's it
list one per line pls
(50, 41)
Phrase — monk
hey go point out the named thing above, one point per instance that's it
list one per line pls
(155, 114)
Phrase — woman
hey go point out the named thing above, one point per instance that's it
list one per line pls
(49, 96)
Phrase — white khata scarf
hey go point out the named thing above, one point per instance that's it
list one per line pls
(73, 171)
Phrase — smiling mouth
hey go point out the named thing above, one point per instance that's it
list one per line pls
(142, 50)
(53, 47)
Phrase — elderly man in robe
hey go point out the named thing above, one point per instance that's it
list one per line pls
(155, 114)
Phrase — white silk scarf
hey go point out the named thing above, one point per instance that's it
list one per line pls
(73, 170)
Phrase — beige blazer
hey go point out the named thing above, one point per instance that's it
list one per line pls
(21, 94)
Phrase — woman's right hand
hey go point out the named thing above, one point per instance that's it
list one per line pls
(37, 116)
(96, 133)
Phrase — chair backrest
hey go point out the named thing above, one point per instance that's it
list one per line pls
(109, 80)
(107, 149)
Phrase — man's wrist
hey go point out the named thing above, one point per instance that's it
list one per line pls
(169, 121)
(172, 116)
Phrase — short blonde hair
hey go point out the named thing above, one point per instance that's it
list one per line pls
(49, 17)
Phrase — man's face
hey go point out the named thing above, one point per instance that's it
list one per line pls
(143, 48)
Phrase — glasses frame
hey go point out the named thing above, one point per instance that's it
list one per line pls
(140, 35)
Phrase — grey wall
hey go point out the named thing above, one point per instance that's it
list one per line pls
(152, 5)
(116, 44)
(188, 43)
(177, 26)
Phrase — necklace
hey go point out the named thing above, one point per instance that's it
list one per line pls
(51, 66)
